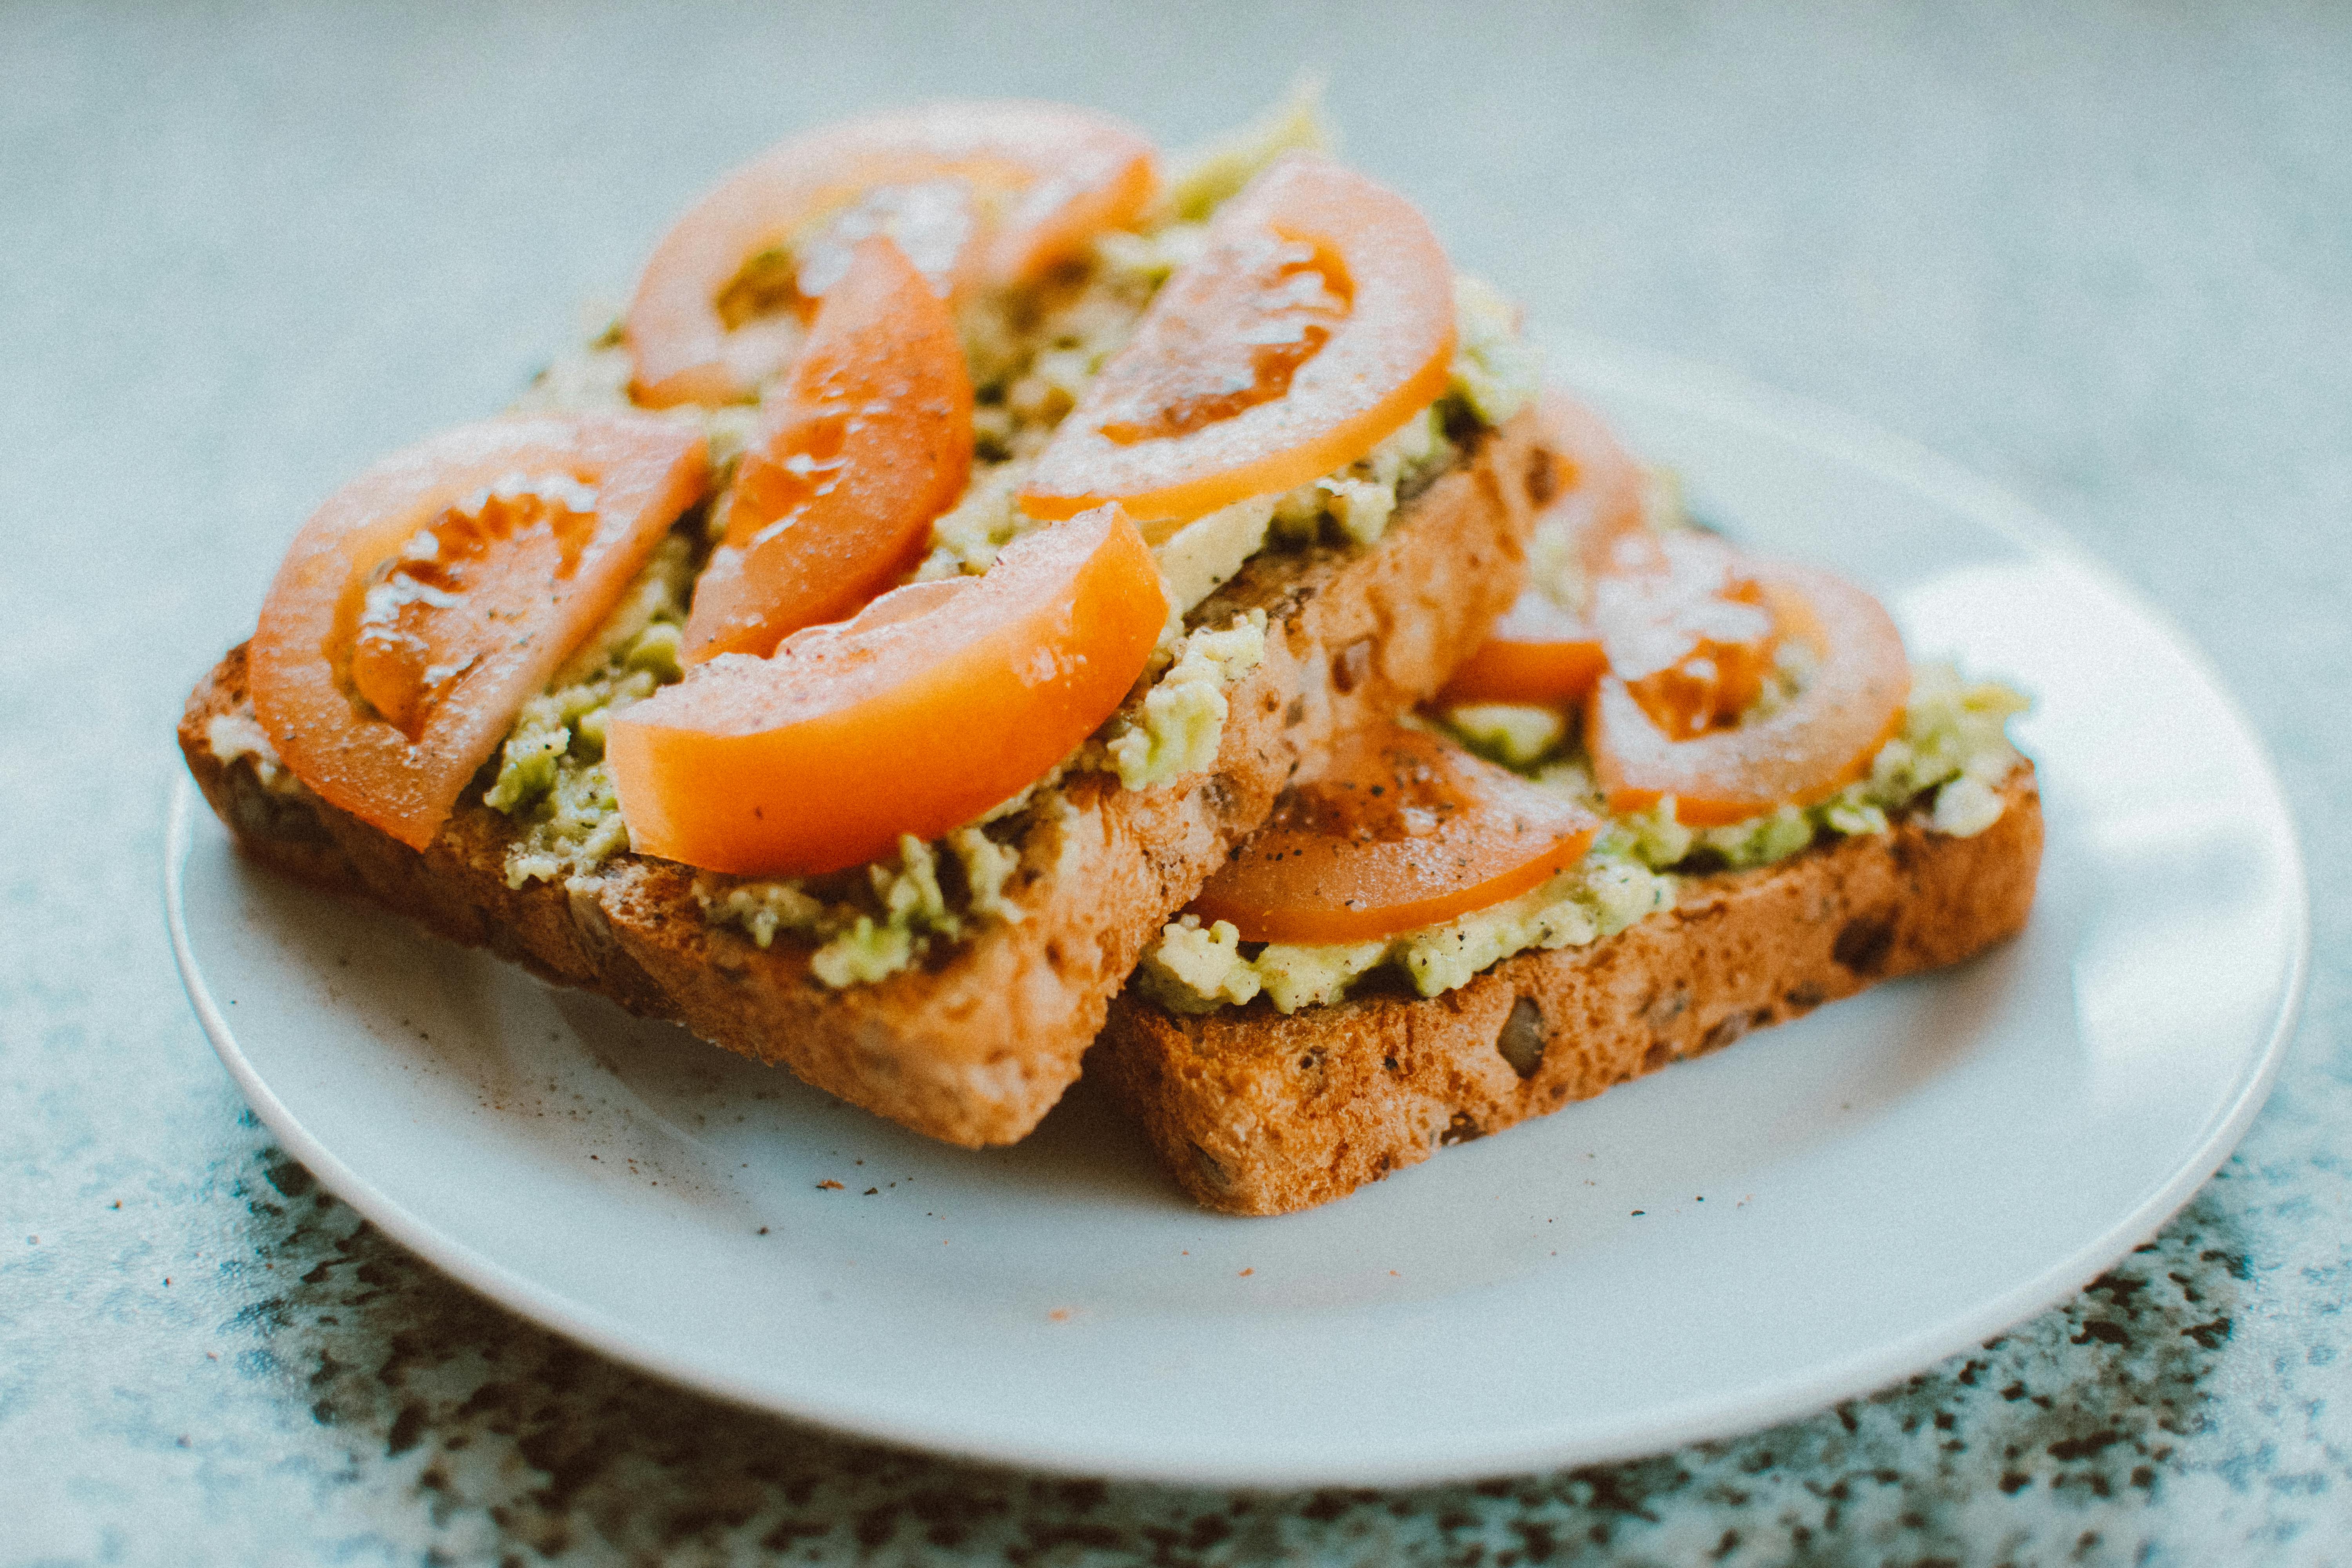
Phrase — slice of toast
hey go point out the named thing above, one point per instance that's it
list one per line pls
(1256, 1112)
(976, 1045)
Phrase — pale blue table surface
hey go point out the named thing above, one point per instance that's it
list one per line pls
(2102, 254)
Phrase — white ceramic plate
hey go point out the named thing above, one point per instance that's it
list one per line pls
(1734, 1241)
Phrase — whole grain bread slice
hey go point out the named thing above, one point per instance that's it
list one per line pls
(975, 1046)
(1255, 1113)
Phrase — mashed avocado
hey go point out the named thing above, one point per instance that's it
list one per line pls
(594, 378)
(1031, 357)
(1211, 176)
(552, 775)
(968, 537)
(1953, 743)
(1199, 557)
(1183, 715)
(869, 933)
(1360, 498)
(1515, 735)
(1953, 750)
(1193, 970)
(1495, 372)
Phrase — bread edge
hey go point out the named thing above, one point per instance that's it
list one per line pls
(1254, 1112)
(975, 1049)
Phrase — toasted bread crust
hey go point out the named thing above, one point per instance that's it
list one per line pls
(1255, 1113)
(974, 1048)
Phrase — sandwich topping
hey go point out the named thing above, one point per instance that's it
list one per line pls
(920, 446)
(1546, 650)
(752, 765)
(430, 597)
(1737, 686)
(1948, 762)
(1711, 710)
(552, 775)
(1401, 830)
(977, 196)
(868, 440)
(1315, 319)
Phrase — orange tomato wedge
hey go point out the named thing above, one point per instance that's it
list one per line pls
(1541, 651)
(937, 702)
(1538, 653)
(423, 603)
(872, 441)
(1317, 319)
(1822, 741)
(977, 195)
(1403, 831)
(1693, 636)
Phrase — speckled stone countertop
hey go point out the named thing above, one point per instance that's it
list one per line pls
(2102, 255)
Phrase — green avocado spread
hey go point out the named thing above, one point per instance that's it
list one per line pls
(874, 923)
(552, 778)
(1948, 762)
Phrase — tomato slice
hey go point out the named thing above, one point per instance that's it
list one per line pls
(1598, 498)
(429, 598)
(1822, 741)
(977, 195)
(1693, 636)
(1403, 831)
(1318, 318)
(937, 702)
(1542, 651)
(1538, 653)
(873, 441)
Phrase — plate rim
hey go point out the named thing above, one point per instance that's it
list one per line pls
(1598, 366)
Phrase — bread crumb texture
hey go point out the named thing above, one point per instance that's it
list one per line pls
(1254, 1110)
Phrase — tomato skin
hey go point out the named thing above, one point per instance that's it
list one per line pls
(539, 595)
(1538, 654)
(1401, 831)
(937, 701)
(1598, 498)
(1543, 651)
(1691, 633)
(1011, 191)
(1824, 740)
(837, 496)
(1348, 300)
